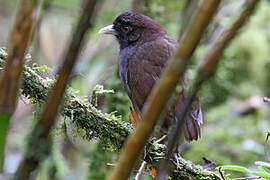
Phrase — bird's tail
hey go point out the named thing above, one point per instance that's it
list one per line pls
(193, 120)
(191, 128)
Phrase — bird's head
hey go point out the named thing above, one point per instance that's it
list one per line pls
(131, 28)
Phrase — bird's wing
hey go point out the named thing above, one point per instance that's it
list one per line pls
(146, 65)
(144, 69)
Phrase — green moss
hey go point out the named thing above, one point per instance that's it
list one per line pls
(110, 129)
(42, 68)
(97, 91)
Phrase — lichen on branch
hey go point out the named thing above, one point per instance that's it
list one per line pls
(111, 130)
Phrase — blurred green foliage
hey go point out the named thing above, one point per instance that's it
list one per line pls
(244, 72)
(244, 69)
(99, 163)
(262, 171)
(227, 137)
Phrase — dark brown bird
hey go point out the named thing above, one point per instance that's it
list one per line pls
(145, 48)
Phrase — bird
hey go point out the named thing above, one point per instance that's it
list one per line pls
(145, 48)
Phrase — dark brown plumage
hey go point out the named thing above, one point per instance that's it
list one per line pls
(145, 48)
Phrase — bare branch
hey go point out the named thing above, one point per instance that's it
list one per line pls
(206, 71)
(163, 89)
(266, 99)
(94, 124)
(39, 138)
(10, 77)
(18, 41)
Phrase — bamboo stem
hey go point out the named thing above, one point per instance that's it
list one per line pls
(206, 71)
(163, 89)
(111, 131)
(39, 137)
(10, 77)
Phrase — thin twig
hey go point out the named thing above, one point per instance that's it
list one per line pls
(206, 71)
(10, 76)
(163, 89)
(140, 173)
(70, 56)
(161, 139)
(246, 178)
(111, 164)
(18, 42)
(42, 9)
(266, 99)
(110, 130)
(221, 174)
(39, 138)
(41, 12)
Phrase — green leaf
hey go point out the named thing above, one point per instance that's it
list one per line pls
(235, 168)
(262, 163)
(263, 169)
(261, 174)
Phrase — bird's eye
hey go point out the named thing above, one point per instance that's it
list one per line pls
(126, 29)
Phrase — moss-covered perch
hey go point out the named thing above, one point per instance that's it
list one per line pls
(95, 124)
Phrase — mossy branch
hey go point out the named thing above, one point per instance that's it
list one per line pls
(206, 71)
(164, 88)
(91, 121)
(40, 136)
(95, 124)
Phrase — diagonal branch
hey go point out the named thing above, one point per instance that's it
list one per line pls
(164, 88)
(95, 124)
(18, 42)
(10, 77)
(206, 71)
(39, 138)
(266, 99)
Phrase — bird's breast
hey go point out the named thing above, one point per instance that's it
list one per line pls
(124, 57)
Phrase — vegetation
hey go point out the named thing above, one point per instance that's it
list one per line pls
(85, 140)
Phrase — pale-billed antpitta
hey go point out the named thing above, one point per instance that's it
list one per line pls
(145, 48)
